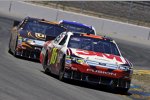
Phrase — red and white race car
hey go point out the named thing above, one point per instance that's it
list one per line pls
(87, 57)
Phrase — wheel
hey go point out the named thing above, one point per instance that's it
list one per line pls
(45, 62)
(61, 72)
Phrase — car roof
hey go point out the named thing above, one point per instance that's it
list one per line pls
(91, 36)
(76, 23)
(41, 20)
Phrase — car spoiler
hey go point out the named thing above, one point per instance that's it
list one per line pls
(16, 23)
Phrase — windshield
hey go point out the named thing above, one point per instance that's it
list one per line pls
(78, 28)
(44, 28)
(93, 44)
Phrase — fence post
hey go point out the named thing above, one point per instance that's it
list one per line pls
(57, 3)
(130, 10)
(10, 6)
(57, 13)
(82, 6)
(148, 36)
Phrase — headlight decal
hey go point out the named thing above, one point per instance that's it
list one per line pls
(78, 60)
(33, 42)
(125, 67)
(24, 44)
(40, 35)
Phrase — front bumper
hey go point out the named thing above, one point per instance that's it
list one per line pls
(33, 52)
(91, 78)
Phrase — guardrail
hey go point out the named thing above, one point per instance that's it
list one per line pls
(102, 26)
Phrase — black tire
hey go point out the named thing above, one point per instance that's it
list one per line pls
(122, 90)
(14, 52)
(9, 47)
(118, 90)
(45, 66)
(62, 71)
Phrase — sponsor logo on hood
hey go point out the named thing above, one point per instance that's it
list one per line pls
(97, 56)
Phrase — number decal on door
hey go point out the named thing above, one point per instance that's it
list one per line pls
(53, 56)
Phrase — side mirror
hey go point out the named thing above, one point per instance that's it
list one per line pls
(16, 23)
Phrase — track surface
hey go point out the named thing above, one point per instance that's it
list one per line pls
(24, 80)
(138, 54)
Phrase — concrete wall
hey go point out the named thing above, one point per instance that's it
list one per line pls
(102, 26)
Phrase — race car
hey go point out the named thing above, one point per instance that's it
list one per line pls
(87, 57)
(74, 26)
(29, 35)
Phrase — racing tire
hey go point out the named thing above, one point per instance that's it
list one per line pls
(122, 90)
(113, 87)
(45, 66)
(14, 52)
(9, 47)
(118, 90)
(61, 72)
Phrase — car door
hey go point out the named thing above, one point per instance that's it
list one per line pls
(54, 54)
(60, 54)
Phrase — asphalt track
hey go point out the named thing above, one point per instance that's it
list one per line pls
(138, 54)
(22, 79)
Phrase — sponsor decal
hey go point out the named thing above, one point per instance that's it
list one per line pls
(68, 61)
(19, 41)
(39, 42)
(109, 56)
(101, 72)
(19, 37)
(68, 57)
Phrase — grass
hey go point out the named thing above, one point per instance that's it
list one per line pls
(143, 80)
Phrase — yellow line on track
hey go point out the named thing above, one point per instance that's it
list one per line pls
(141, 72)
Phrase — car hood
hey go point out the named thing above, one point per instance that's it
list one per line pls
(98, 57)
(31, 38)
